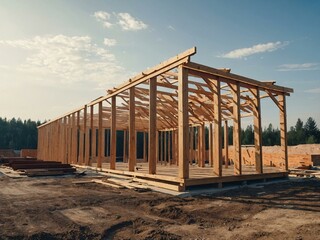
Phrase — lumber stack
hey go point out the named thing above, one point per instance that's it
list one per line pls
(33, 167)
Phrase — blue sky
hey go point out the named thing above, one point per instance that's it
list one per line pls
(58, 55)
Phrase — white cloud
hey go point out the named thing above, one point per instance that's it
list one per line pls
(127, 22)
(314, 90)
(171, 28)
(299, 67)
(259, 48)
(104, 18)
(67, 60)
(109, 42)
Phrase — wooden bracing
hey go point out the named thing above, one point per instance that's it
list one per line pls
(176, 104)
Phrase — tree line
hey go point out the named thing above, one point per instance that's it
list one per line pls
(18, 134)
(307, 133)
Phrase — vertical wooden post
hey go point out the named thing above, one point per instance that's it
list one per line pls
(74, 139)
(257, 129)
(191, 144)
(100, 147)
(113, 146)
(81, 141)
(226, 144)
(174, 159)
(169, 147)
(77, 136)
(283, 130)
(165, 155)
(183, 122)
(201, 146)
(210, 145)
(132, 131)
(161, 147)
(87, 139)
(65, 140)
(93, 136)
(235, 88)
(158, 148)
(153, 143)
(217, 161)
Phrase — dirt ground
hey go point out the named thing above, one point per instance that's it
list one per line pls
(57, 208)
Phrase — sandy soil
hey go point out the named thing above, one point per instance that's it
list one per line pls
(56, 208)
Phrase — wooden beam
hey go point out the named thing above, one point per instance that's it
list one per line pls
(132, 131)
(100, 135)
(87, 139)
(251, 82)
(210, 145)
(257, 129)
(283, 130)
(226, 145)
(152, 72)
(93, 136)
(217, 161)
(113, 145)
(235, 88)
(183, 122)
(152, 125)
(201, 146)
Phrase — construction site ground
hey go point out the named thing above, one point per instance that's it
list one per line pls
(75, 208)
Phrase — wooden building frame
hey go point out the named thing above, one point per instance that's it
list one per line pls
(175, 104)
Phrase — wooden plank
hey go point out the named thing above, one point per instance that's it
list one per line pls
(183, 122)
(283, 130)
(100, 135)
(152, 126)
(235, 88)
(158, 184)
(113, 145)
(87, 137)
(132, 131)
(210, 145)
(106, 183)
(238, 178)
(257, 129)
(201, 146)
(226, 145)
(93, 136)
(217, 161)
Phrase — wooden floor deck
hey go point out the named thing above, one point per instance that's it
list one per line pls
(167, 175)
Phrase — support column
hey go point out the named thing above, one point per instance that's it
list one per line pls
(100, 147)
(93, 136)
(257, 130)
(283, 130)
(132, 131)
(81, 142)
(113, 145)
(210, 145)
(201, 146)
(153, 140)
(226, 144)
(235, 88)
(183, 122)
(217, 160)
(87, 139)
